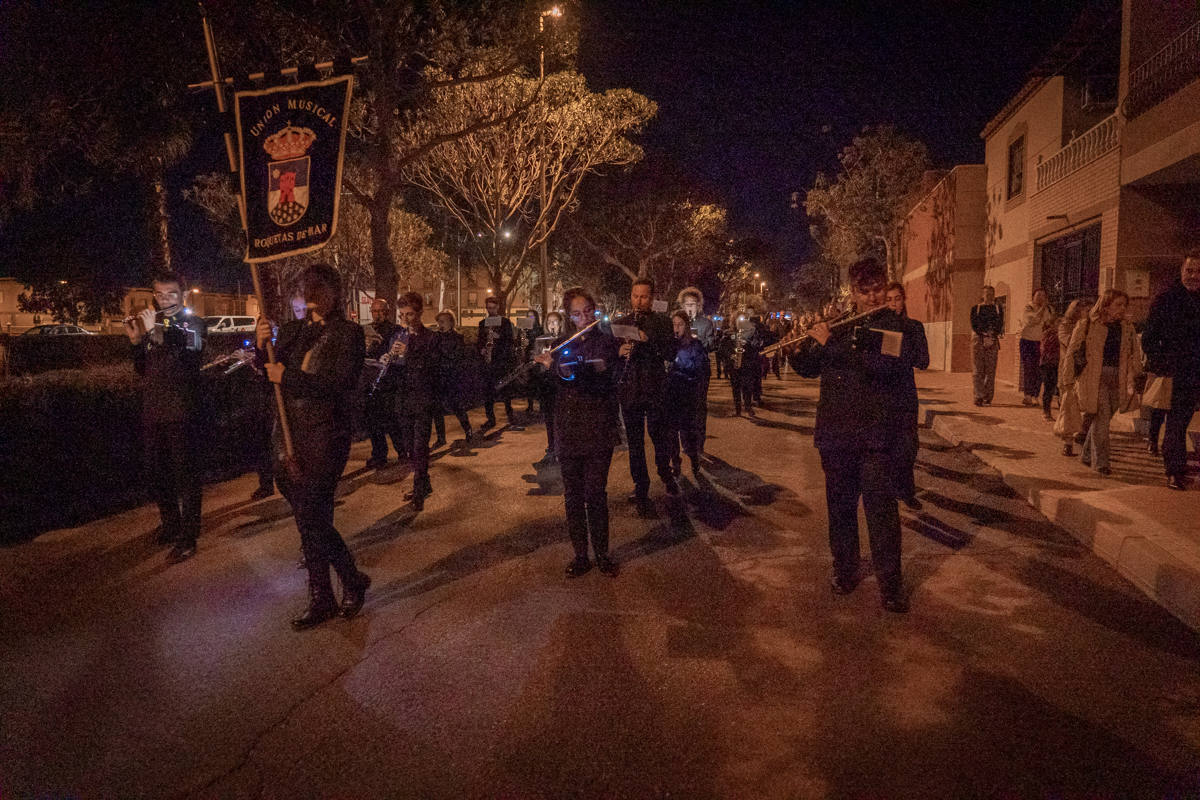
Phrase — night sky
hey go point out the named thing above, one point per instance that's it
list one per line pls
(756, 97)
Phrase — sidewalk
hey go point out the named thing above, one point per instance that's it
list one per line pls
(1149, 533)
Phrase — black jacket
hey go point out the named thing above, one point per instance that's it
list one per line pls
(1171, 340)
(318, 394)
(585, 405)
(384, 330)
(418, 390)
(644, 374)
(985, 319)
(687, 381)
(914, 352)
(170, 368)
(504, 356)
(861, 388)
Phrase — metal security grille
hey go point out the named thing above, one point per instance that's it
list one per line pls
(1069, 267)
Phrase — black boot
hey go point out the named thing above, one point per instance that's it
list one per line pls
(354, 594)
(322, 605)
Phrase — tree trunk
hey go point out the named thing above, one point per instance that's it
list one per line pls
(386, 280)
(162, 242)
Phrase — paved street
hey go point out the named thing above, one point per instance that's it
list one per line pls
(717, 665)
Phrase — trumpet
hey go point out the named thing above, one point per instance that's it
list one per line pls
(847, 318)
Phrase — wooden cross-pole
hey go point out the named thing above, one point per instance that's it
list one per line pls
(218, 85)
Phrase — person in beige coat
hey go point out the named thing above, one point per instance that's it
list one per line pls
(1103, 362)
(1069, 426)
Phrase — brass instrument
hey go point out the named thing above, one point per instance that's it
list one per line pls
(847, 318)
(739, 350)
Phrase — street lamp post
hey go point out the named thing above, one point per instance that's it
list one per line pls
(543, 267)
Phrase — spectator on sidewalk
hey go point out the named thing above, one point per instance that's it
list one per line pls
(988, 325)
(1103, 361)
(1033, 324)
(1172, 341)
(1070, 425)
(1048, 366)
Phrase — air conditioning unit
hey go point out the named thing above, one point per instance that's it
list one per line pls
(1100, 92)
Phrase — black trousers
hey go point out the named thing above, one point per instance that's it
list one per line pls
(548, 412)
(382, 422)
(439, 419)
(1184, 400)
(1048, 384)
(490, 397)
(687, 425)
(174, 476)
(639, 420)
(415, 427)
(908, 442)
(320, 461)
(742, 383)
(585, 494)
(849, 475)
(1157, 417)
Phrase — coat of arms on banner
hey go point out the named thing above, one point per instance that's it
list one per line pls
(288, 174)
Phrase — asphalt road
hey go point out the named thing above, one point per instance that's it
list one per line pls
(717, 665)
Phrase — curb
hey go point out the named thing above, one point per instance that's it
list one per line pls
(1152, 556)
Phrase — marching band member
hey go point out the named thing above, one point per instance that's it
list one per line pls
(585, 422)
(544, 384)
(450, 378)
(381, 400)
(166, 348)
(687, 394)
(496, 343)
(914, 352)
(640, 392)
(418, 396)
(319, 361)
(854, 433)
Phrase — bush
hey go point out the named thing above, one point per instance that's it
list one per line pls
(73, 442)
(30, 355)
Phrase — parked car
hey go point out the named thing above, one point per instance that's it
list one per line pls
(221, 324)
(60, 329)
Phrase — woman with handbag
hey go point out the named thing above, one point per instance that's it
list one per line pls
(1037, 316)
(1069, 426)
(1103, 361)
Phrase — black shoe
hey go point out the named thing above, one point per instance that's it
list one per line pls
(637, 498)
(354, 596)
(672, 488)
(913, 502)
(1152, 448)
(841, 585)
(162, 536)
(1068, 449)
(1104, 470)
(608, 567)
(182, 551)
(580, 566)
(439, 443)
(261, 493)
(979, 403)
(750, 413)
(1177, 482)
(320, 609)
(487, 426)
(513, 426)
(375, 462)
(895, 603)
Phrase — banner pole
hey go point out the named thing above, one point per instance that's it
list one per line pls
(218, 85)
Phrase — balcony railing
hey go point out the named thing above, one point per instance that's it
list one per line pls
(1082, 150)
(1164, 73)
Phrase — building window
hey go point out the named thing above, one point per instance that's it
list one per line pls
(1016, 168)
(472, 299)
(1069, 267)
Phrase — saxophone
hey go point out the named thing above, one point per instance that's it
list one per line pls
(739, 350)
(489, 347)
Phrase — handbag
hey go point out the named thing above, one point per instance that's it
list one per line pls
(1158, 392)
(1070, 420)
(1081, 353)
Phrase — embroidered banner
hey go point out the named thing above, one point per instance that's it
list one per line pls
(290, 142)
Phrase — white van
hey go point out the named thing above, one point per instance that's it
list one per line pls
(229, 324)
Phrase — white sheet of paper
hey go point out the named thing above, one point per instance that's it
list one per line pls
(626, 332)
(492, 322)
(660, 306)
(525, 323)
(890, 346)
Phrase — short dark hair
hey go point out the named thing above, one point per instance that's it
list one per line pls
(412, 300)
(896, 285)
(1192, 254)
(867, 271)
(446, 313)
(168, 276)
(325, 275)
(683, 315)
(643, 282)
(576, 291)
